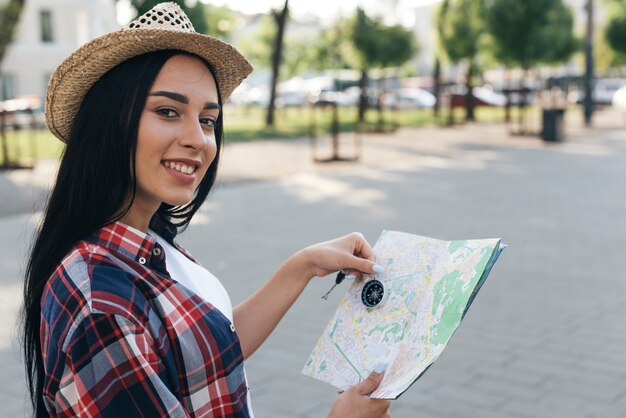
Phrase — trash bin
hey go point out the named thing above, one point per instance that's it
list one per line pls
(552, 125)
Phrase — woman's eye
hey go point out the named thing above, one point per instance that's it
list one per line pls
(210, 122)
(168, 113)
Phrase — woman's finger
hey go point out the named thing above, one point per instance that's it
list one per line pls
(361, 266)
(363, 249)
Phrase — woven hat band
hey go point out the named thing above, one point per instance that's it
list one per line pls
(167, 16)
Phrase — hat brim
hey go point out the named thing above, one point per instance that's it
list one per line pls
(71, 81)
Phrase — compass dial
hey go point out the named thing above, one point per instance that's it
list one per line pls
(372, 293)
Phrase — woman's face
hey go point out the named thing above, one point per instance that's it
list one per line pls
(176, 142)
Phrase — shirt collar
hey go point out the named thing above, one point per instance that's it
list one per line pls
(125, 240)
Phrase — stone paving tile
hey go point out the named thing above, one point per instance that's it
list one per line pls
(511, 374)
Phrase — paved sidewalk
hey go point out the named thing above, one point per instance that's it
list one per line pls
(547, 333)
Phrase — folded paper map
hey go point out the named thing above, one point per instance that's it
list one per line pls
(405, 316)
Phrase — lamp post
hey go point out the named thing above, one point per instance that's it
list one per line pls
(588, 103)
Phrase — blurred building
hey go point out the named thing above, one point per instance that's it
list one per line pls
(48, 31)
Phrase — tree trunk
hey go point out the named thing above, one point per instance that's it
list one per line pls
(437, 87)
(588, 101)
(277, 53)
(523, 102)
(380, 109)
(450, 109)
(469, 96)
(381, 100)
(363, 96)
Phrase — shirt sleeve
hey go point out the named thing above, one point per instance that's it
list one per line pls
(113, 370)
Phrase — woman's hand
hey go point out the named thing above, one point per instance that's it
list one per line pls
(350, 252)
(354, 402)
(258, 315)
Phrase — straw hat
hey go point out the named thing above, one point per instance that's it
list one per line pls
(164, 27)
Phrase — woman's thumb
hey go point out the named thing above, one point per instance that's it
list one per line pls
(372, 381)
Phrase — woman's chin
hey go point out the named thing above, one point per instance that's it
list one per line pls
(178, 201)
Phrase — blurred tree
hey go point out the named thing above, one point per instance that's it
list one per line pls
(334, 49)
(299, 56)
(194, 12)
(258, 48)
(461, 27)
(615, 32)
(277, 54)
(298, 53)
(529, 32)
(9, 18)
(378, 45)
(606, 56)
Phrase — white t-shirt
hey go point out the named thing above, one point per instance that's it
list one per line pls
(200, 281)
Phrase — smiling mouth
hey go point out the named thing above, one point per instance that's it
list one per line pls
(180, 167)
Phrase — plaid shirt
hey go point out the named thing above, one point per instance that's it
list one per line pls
(120, 338)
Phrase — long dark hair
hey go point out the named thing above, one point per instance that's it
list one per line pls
(95, 186)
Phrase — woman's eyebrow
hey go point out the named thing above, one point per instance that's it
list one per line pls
(184, 99)
(171, 95)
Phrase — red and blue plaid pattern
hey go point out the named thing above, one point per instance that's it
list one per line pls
(121, 338)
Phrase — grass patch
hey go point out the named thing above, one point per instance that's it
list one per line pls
(27, 146)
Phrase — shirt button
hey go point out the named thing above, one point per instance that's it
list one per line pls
(232, 327)
(156, 251)
(142, 260)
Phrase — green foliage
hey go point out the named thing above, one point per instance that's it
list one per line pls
(528, 32)
(461, 28)
(616, 33)
(299, 53)
(195, 13)
(298, 56)
(379, 45)
(220, 20)
(258, 49)
(610, 43)
(334, 48)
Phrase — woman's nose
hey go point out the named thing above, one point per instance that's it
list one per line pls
(194, 136)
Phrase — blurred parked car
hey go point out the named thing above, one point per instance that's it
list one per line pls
(482, 97)
(25, 112)
(348, 97)
(603, 91)
(411, 98)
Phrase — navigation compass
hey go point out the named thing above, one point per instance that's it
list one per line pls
(373, 293)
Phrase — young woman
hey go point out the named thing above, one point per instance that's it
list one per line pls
(118, 319)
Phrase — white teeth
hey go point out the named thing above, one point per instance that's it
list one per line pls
(183, 168)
